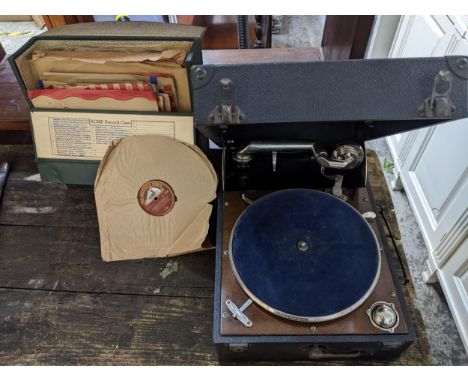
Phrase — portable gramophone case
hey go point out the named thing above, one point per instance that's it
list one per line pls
(303, 270)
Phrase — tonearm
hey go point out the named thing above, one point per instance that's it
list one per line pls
(344, 157)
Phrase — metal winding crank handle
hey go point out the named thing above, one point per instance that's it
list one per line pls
(246, 199)
(238, 313)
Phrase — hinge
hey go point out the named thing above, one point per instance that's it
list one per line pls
(458, 65)
(226, 112)
(439, 105)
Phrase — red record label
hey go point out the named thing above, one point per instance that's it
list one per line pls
(156, 197)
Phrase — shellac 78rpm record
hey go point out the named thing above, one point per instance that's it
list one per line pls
(153, 197)
(156, 197)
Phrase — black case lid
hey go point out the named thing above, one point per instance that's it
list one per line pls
(384, 96)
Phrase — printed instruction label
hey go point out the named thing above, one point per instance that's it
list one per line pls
(86, 136)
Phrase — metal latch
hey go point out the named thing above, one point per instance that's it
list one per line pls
(439, 105)
(238, 348)
(319, 352)
(226, 111)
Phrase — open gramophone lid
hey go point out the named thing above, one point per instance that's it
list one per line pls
(304, 255)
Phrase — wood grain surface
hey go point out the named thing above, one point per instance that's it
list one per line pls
(61, 305)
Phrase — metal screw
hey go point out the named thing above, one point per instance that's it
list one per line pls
(302, 246)
(366, 199)
(200, 73)
(462, 63)
(225, 315)
(226, 204)
(445, 74)
(393, 294)
(226, 253)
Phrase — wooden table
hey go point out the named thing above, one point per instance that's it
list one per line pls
(60, 304)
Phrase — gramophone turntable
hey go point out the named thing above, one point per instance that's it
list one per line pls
(303, 270)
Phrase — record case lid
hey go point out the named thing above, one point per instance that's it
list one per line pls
(133, 30)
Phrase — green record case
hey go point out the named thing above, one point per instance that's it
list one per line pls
(75, 164)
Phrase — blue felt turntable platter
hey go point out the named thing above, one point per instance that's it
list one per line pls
(304, 255)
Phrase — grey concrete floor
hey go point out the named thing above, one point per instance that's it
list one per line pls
(444, 340)
(299, 32)
(445, 343)
(13, 35)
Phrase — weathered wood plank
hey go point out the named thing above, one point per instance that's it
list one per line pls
(29, 202)
(21, 159)
(48, 204)
(60, 304)
(67, 259)
(59, 245)
(384, 203)
(59, 328)
(38, 327)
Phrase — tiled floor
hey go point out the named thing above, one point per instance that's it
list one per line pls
(306, 31)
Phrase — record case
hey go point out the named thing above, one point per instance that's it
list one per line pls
(60, 158)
